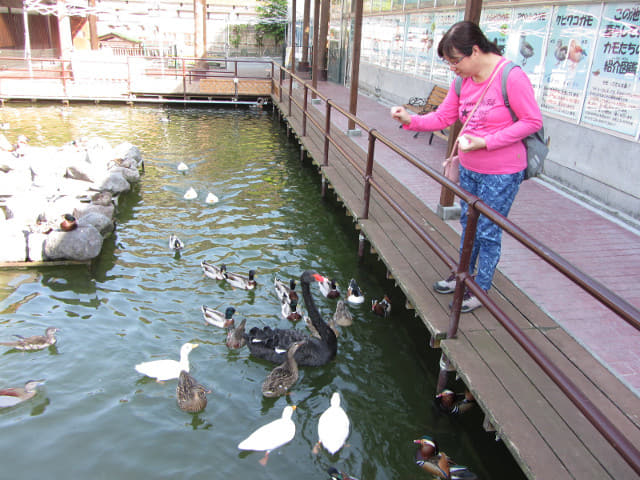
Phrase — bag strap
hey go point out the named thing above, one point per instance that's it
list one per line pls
(505, 93)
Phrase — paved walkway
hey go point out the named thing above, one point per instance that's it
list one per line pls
(597, 244)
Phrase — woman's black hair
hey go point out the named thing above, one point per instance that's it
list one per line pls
(462, 36)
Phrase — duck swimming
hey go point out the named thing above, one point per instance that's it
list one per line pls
(217, 318)
(211, 198)
(163, 370)
(271, 344)
(15, 395)
(191, 194)
(191, 396)
(284, 376)
(284, 291)
(381, 307)
(272, 435)
(334, 474)
(175, 243)
(430, 459)
(453, 403)
(342, 315)
(235, 335)
(240, 281)
(354, 294)
(333, 427)
(328, 287)
(36, 342)
(289, 310)
(213, 272)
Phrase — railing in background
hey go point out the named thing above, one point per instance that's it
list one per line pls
(476, 207)
(109, 77)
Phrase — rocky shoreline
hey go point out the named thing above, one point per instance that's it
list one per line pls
(40, 185)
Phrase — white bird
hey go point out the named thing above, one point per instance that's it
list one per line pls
(175, 243)
(272, 435)
(354, 294)
(182, 167)
(333, 427)
(163, 370)
(328, 287)
(211, 198)
(191, 194)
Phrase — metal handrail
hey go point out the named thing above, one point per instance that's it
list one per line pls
(476, 207)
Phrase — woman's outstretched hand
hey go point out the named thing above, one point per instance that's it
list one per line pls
(401, 115)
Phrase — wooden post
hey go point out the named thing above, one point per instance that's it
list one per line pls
(304, 63)
(355, 63)
(293, 37)
(471, 13)
(316, 48)
(325, 8)
(93, 28)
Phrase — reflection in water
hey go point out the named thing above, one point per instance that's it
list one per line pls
(139, 301)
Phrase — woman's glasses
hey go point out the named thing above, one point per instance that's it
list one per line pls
(453, 63)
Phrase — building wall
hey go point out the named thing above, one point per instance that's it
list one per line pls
(594, 149)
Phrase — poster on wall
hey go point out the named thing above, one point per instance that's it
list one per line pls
(441, 72)
(613, 93)
(495, 25)
(526, 41)
(571, 42)
(419, 49)
(395, 25)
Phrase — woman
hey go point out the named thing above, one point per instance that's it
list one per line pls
(492, 155)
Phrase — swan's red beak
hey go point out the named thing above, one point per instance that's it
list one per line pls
(318, 277)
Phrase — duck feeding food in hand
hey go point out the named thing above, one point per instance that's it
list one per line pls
(217, 318)
(10, 397)
(191, 396)
(272, 344)
(163, 370)
(284, 376)
(272, 435)
(35, 342)
(213, 272)
(333, 427)
(240, 281)
(354, 294)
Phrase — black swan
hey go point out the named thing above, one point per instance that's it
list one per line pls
(272, 343)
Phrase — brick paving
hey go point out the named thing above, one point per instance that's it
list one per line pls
(597, 244)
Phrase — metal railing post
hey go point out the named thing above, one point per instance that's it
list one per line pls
(463, 267)
(327, 129)
(304, 110)
(367, 175)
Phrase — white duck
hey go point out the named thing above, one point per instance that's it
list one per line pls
(333, 427)
(175, 243)
(191, 194)
(354, 294)
(272, 435)
(211, 198)
(163, 370)
(182, 167)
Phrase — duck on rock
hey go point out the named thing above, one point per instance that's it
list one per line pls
(272, 344)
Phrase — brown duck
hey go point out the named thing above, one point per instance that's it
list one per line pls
(13, 396)
(192, 397)
(284, 376)
(36, 342)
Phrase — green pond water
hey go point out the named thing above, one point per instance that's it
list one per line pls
(96, 417)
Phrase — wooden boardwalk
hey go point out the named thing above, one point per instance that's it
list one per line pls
(545, 432)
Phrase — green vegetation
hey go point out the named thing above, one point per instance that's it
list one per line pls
(272, 15)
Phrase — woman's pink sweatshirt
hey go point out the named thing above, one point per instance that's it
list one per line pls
(505, 152)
